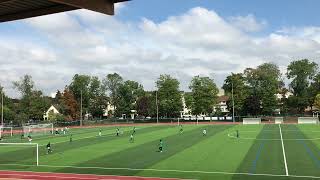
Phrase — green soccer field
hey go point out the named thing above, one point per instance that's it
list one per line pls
(261, 152)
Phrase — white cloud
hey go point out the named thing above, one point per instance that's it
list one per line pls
(248, 23)
(196, 42)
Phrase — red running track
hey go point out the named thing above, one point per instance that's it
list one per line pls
(21, 175)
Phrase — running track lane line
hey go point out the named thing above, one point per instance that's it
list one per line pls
(173, 170)
(70, 176)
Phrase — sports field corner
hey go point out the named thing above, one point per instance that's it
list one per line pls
(263, 151)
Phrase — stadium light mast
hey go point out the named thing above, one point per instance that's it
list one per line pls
(232, 103)
(157, 107)
(81, 108)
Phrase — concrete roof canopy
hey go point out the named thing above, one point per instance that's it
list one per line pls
(11, 10)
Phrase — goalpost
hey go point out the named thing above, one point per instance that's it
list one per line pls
(6, 131)
(38, 129)
(251, 121)
(19, 153)
(278, 120)
(308, 120)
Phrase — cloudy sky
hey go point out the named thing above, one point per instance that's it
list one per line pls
(147, 38)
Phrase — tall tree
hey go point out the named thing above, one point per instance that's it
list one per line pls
(240, 92)
(146, 104)
(33, 103)
(38, 105)
(314, 89)
(25, 86)
(80, 84)
(70, 106)
(301, 72)
(317, 101)
(264, 84)
(204, 95)
(112, 83)
(128, 94)
(8, 107)
(169, 96)
(98, 99)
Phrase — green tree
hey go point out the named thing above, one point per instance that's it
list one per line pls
(25, 86)
(301, 72)
(264, 85)
(32, 104)
(97, 98)
(144, 105)
(317, 101)
(111, 84)
(81, 84)
(8, 107)
(188, 99)
(204, 95)
(38, 105)
(169, 96)
(314, 89)
(252, 105)
(128, 94)
(240, 92)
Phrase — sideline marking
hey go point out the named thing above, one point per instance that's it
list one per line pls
(170, 170)
(284, 152)
(75, 176)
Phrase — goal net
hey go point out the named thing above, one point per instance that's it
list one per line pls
(308, 120)
(19, 153)
(38, 130)
(278, 120)
(6, 131)
(251, 121)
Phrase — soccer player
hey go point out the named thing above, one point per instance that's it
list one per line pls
(29, 139)
(100, 132)
(134, 130)
(71, 138)
(49, 150)
(237, 134)
(56, 131)
(118, 132)
(181, 129)
(131, 138)
(161, 146)
(204, 132)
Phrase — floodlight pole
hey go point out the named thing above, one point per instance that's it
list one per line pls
(2, 108)
(81, 108)
(232, 103)
(157, 107)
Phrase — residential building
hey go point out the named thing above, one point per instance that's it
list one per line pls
(52, 110)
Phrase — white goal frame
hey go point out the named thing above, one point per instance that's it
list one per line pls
(27, 144)
(278, 120)
(11, 130)
(251, 121)
(30, 127)
(308, 120)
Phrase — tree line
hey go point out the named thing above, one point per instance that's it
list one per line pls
(255, 92)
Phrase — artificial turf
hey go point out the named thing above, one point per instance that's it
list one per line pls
(257, 154)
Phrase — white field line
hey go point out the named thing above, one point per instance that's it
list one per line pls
(172, 170)
(284, 152)
(57, 174)
(87, 137)
(272, 139)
